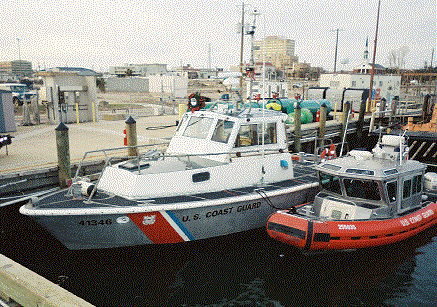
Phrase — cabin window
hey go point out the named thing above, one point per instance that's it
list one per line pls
(199, 177)
(222, 131)
(392, 190)
(365, 189)
(417, 184)
(250, 135)
(198, 127)
(407, 188)
(330, 183)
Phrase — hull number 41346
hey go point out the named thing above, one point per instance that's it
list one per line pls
(95, 222)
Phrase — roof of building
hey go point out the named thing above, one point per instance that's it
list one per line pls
(77, 70)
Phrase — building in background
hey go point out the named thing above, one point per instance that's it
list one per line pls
(191, 72)
(278, 50)
(298, 70)
(143, 70)
(365, 67)
(384, 85)
(17, 68)
(70, 94)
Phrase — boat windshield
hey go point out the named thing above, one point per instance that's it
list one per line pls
(222, 131)
(359, 188)
(198, 127)
(330, 183)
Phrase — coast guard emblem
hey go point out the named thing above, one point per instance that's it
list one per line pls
(149, 220)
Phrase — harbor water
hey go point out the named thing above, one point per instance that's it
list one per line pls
(248, 269)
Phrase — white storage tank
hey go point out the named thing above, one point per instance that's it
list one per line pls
(7, 116)
(430, 182)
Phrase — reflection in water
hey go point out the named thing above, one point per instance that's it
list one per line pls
(248, 269)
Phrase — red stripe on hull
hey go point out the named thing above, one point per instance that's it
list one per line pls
(353, 234)
(156, 227)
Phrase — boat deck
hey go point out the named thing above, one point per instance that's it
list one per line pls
(304, 173)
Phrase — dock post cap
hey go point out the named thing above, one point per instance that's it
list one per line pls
(130, 120)
(61, 127)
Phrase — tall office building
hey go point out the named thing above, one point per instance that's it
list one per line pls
(17, 68)
(278, 50)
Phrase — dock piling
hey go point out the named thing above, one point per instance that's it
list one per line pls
(344, 117)
(322, 125)
(297, 128)
(63, 149)
(131, 135)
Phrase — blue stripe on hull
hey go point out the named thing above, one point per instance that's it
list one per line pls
(181, 226)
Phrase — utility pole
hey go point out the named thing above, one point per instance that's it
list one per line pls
(336, 46)
(19, 58)
(372, 73)
(209, 56)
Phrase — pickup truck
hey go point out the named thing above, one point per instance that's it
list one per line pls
(19, 92)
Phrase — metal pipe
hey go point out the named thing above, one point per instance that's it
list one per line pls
(428, 150)
(417, 152)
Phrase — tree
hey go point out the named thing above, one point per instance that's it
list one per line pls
(101, 84)
(129, 72)
(396, 57)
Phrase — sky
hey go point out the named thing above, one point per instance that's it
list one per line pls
(99, 34)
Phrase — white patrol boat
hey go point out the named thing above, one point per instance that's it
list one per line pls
(220, 174)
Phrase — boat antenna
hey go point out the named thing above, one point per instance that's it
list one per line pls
(250, 69)
(372, 71)
(263, 94)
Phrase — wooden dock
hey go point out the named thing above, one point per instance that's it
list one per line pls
(20, 286)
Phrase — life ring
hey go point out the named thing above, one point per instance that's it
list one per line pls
(329, 154)
(196, 102)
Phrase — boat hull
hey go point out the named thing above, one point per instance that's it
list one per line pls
(138, 227)
(316, 235)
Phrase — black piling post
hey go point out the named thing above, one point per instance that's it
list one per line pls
(297, 128)
(63, 148)
(131, 135)
(322, 125)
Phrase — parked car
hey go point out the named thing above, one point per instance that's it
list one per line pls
(19, 92)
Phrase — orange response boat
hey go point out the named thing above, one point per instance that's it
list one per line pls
(368, 199)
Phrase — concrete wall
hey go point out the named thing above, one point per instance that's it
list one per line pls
(175, 86)
(135, 84)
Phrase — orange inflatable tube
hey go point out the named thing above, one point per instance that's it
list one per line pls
(310, 234)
